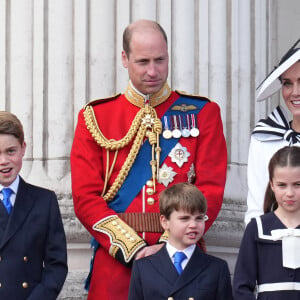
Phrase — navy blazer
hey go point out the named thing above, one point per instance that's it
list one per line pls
(204, 277)
(33, 255)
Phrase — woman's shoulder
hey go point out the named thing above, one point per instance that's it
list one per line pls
(273, 127)
(265, 147)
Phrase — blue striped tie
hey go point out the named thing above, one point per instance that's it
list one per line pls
(179, 257)
(6, 199)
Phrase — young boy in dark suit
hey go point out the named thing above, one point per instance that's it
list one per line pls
(33, 255)
(196, 275)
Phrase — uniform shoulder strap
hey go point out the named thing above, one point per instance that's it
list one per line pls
(102, 100)
(195, 96)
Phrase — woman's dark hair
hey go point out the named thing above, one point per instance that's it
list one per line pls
(288, 156)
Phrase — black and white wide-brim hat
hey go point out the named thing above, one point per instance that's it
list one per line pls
(272, 82)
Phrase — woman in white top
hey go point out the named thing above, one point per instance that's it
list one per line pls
(276, 131)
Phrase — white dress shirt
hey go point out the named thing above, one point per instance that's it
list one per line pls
(14, 187)
(187, 251)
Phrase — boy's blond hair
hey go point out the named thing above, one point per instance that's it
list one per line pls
(10, 124)
(183, 196)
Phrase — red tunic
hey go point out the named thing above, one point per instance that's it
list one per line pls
(110, 278)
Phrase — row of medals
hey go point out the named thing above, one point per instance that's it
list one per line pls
(176, 126)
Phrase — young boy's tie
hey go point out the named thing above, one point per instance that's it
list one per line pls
(6, 199)
(179, 257)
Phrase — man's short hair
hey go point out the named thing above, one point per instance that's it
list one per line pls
(127, 34)
(183, 196)
(10, 124)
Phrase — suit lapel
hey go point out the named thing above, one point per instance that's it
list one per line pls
(197, 263)
(162, 263)
(22, 207)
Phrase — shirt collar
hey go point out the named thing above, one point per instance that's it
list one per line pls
(14, 186)
(187, 251)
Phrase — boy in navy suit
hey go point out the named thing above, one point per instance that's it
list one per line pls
(33, 255)
(196, 275)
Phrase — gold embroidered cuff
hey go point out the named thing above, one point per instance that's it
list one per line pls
(113, 250)
(121, 236)
(164, 237)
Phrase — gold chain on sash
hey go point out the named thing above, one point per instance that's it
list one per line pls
(145, 124)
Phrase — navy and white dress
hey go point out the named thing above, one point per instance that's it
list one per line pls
(268, 136)
(259, 267)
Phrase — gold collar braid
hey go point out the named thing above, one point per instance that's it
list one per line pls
(138, 99)
(145, 124)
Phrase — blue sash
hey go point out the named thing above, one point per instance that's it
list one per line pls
(141, 170)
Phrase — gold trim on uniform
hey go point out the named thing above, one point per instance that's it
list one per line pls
(195, 96)
(113, 250)
(145, 124)
(164, 237)
(138, 99)
(121, 236)
(102, 100)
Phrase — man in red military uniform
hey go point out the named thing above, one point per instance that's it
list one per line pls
(130, 147)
